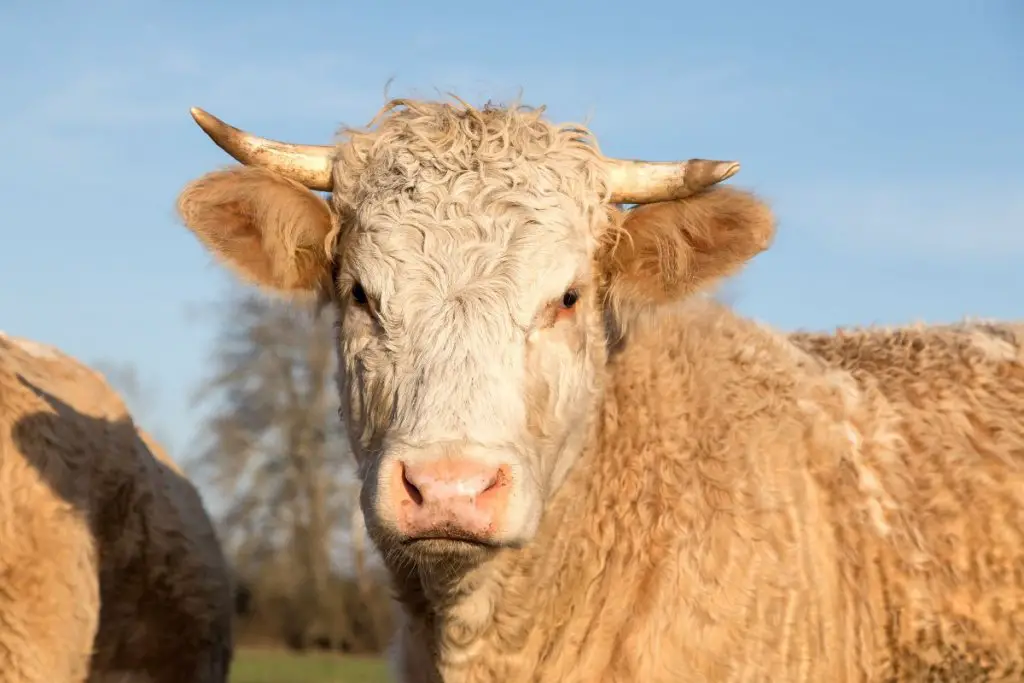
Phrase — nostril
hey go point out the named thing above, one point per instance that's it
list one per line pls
(497, 481)
(410, 488)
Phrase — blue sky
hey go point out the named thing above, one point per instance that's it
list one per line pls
(887, 136)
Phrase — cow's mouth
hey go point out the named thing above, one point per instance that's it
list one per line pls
(448, 542)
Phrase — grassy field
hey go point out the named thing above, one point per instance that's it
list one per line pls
(275, 666)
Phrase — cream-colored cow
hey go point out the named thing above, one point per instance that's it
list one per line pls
(578, 469)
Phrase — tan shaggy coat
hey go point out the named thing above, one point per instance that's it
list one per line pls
(726, 503)
(842, 508)
(110, 571)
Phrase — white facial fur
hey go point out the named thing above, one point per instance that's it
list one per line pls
(465, 249)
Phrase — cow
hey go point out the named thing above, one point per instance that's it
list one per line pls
(110, 569)
(578, 465)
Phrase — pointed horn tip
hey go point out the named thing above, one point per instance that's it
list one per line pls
(726, 169)
(205, 119)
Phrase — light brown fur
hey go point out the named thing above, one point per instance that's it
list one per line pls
(110, 569)
(721, 502)
(776, 519)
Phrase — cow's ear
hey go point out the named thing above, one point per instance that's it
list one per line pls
(669, 250)
(269, 230)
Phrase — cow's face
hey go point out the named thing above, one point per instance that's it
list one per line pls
(475, 270)
(471, 335)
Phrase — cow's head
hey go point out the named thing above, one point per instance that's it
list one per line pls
(477, 264)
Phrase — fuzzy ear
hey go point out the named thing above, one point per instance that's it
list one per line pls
(669, 250)
(271, 231)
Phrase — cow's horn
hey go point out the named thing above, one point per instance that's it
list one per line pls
(306, 164)
(643, 182)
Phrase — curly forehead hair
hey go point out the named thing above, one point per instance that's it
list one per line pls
(455, 153)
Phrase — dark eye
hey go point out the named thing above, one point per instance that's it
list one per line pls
(359, 294)
(570, 298)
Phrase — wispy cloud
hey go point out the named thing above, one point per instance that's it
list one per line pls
(82, 116)
(146, 79)
(154, 89)
(71, 110)
(147, 83)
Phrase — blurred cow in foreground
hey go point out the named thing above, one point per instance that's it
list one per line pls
(110, 570)
(578, 468)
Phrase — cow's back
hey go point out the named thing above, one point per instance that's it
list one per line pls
(958, 392)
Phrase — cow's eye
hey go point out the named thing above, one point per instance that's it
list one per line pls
(359, 294)
(570, 298)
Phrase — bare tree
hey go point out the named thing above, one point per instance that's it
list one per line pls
(274, 447)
